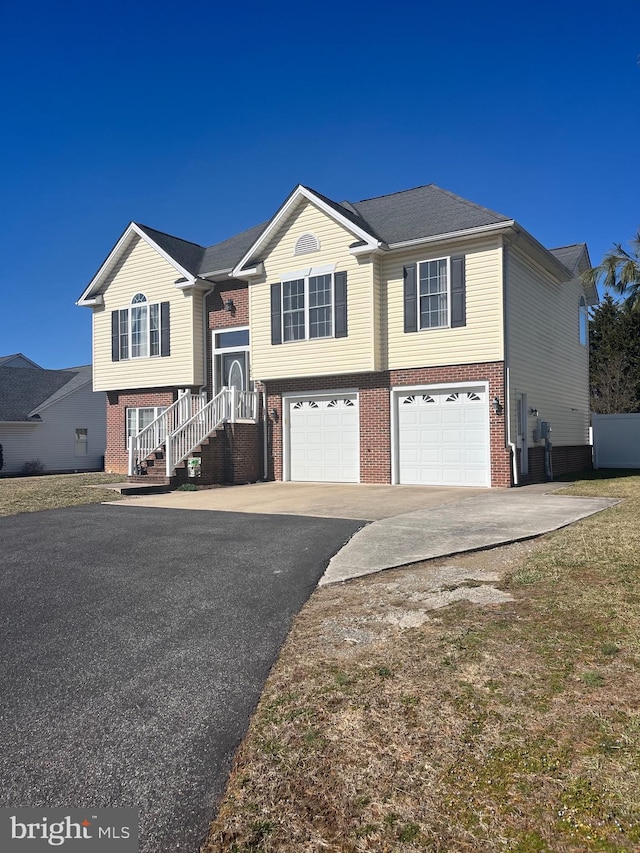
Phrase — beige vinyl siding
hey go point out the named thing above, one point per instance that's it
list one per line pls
(52, 441)
(143, 270)
(379, 316)
(323, 356)
(482, 337)
(546, 360)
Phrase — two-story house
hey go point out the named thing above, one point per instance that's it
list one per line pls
(412, 338)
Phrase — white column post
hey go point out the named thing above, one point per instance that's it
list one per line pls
(234, 404)
(167, 455)
(130, 455)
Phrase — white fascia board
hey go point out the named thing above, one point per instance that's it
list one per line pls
(217, 274)
(453, 235)
(296, 196)
(21, 423)
(358, 251)
(114, 256)
(541, 254)
(248, 274)
(198, 283)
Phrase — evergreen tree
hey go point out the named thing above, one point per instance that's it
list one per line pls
(614, 357)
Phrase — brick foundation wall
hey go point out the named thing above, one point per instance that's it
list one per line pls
(116, 459)
(564, 460)
(375, 414)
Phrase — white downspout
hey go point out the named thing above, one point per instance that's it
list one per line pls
(507, 371)
(205, 336)
(265, 430)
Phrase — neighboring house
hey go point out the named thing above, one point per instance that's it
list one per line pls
(52, 416)
(412, 338)
(17, 360)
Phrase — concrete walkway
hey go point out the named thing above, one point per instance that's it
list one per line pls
(484, 521)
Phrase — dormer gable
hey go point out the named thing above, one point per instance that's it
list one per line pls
(364, 240)
(184, 257)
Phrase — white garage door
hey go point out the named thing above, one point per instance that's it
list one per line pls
(324, 438)
(443, 437)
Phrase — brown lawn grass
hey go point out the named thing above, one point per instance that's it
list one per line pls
(504, 728)
(30, 494)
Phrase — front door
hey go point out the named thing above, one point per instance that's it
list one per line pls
(231, 359)
(233, 370)
(521, 432)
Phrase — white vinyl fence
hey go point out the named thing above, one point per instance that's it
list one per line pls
(616, 441)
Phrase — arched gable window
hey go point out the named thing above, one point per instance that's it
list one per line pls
(584, 322)
(305, 244)
(145, 327)
(140, 330)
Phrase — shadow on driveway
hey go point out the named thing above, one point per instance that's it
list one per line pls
(135, 647)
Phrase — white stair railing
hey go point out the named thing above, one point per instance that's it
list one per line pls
(153, 436)
(190, 434)
(187, 423)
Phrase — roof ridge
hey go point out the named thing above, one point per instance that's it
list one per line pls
(166, 234)
(469, 203)
(568, 246)
(398, 192)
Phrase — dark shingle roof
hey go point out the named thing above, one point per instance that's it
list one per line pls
(188, 255)
(22, 391)
(423, 212)
(225, 255)
(569, 255)
(5, 359)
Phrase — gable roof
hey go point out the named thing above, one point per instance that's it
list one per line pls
(570, 255)
(5, 360)
(25, 392)
(186, 254)
(421, 213)
(426, 211)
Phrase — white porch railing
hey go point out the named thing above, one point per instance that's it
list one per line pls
(185, 425)
(153, 436)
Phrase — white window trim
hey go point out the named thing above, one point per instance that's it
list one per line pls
(421, 328)
(128, 309)
(306, 274)
(394, 395)
(157, 411)
(216, 351)
(291, 397)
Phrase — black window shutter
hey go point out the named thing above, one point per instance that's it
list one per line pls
(165, 331)
(115, 336)
(276, 319)
(340, 303)
(458, 292)
(410, 299)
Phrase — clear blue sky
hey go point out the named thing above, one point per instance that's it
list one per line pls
(198, 118)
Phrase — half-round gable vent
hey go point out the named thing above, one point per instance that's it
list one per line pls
(305, 244)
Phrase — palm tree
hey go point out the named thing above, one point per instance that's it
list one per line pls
(619, 271)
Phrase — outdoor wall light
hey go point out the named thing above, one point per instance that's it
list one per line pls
(533, 412)
(497, 408)
(228, 305)
(274, 414)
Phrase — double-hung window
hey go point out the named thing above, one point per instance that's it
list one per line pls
(309, 304)
(139, 418)
(433, 281)
(141, 330)
(307, 307)
(435, 294)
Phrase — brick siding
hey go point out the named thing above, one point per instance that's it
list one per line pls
(116, 458)
(564, 460)
(375, 413)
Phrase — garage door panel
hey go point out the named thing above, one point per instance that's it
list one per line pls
(443, 438)
(324, 438)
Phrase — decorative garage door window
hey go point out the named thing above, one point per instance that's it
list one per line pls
(323, 404)
(443, 438)
(323, 438)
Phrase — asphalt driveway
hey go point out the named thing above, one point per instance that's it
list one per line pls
(135, 644)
